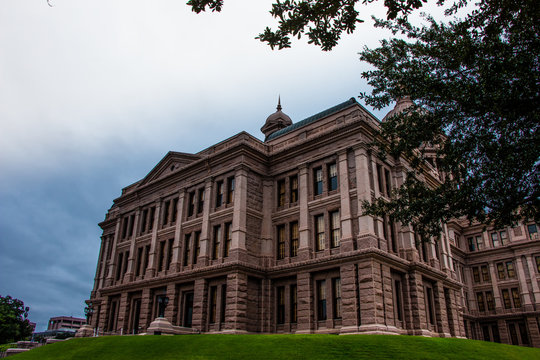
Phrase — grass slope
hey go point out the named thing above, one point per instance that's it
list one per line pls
(251, 347)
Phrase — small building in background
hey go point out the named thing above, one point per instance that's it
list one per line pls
(65, 322)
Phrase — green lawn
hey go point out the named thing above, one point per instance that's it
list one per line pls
(251, 347)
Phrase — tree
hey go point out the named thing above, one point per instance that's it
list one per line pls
(322, 21)
(474, 83)
(14, 323)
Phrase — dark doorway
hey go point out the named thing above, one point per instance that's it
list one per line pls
(188, 309)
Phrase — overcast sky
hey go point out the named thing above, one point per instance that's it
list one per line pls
(93, 93)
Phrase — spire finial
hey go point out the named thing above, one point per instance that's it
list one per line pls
(279, 103)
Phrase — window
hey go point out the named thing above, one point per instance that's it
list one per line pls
(213, 304)
(200, 201)
(281, 242)
(500, 271)
(191, 204)
(187, 241)
(223, 310)
(169, 254)
(281, 305)
(335, 231)
(146, 258)
(319, 233)
(139, 261)
(217, 240)
(318, 181)
(166, 212)
(516, 298)
(161, 255)
(387, 181)
(196, 246)
(281, 192)
(119, 266)
(537, 259)
(294, 238)
(397, 300)
(336, 292)
(230, 190)
(293, 183)
(485, 273)
(321, 300)
(533, 231)
(506, 299)
(510, 269)
(498, 239)
(294, 303)
(228, 239)
(219, 193)
(490, 301)
(174, 210)
(480, 301)
(143, 221)
(479, 242)
(332, 177)
(380, 179)
(472, 246)
(430, 305)
(152, 217)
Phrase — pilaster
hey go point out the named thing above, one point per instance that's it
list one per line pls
(131, 260)
(345, 203)
(236, 308)
(200, 304)
(238, 249)
(304, 250)
(151, 269)
(305, 303)
(110, 276)
(177, 245)
(349, 299)
(204, 240)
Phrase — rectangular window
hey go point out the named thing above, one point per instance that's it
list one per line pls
(336, 292)
(479, 242)
(506, 299)
(537, 259)
(430, 309)
(380, 179)
(510, 269)
(230, 190)
(516, 298)
(187, 240)
(165, 218)
(213, 304)
(169, 254)
(228, 239)
(143, 221)
(119, 266)
(294, 303)
(281, 192)
(196, 246)
(191, 204)
(500, 271)
(139, 261)
(321, 300)
(533, 231)
(495, 239)
(223, 310)
(200, 201)
(397, 300)
(485, 273)
(503, 237)
(294, 238)
(280, 305)
(281, 242)
(490, 301)
(146, 258)
(332, 177)
(335, 230)
(319, 233)
(387, 182)
(217, 240)
(219, 193)
(318, 181)
(152, 217)
(174, 210)
(293, 183)
(480, 300)
(161, 255)
(472, 246)
(131, 224)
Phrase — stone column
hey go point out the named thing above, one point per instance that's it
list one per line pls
(266, 302)
(532, 325)
(236, 308)
(417, 305)
(304, 249)
(525, 296)
(370, 286)
(238, 249)
(495, 286)
(200, 304)
(503, 331)
(170, 308)
(531, 266)
(110, 276)
(267, 245)
(102, 266)
(129, 275)
(347, 243)
(204, 241)
(305, 295)
(350, 306)
(145, 316)
(177, 245)
(151, 269)
(123, 314)
(366, 236)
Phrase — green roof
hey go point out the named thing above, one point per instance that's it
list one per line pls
(313, 118)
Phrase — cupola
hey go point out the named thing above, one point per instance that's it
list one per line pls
(276, 121)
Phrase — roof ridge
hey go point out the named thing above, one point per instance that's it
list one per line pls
(313, 118)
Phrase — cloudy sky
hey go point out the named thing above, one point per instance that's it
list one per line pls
(93, 93)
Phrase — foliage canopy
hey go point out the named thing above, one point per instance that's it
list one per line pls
(14, 325)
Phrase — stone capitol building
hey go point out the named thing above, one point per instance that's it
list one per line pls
(251, 236)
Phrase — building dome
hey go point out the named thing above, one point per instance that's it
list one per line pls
(276, 121)
(401, 104)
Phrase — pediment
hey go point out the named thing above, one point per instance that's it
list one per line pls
(169, 164)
